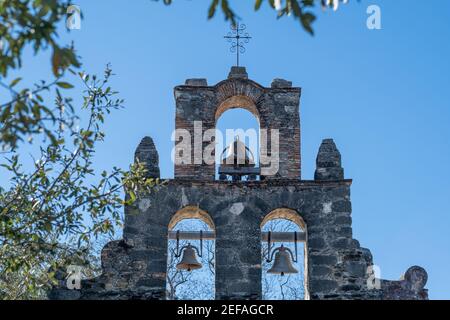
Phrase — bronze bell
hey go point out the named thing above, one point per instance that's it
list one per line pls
(238, 155)
(282, 264)
(189, 261)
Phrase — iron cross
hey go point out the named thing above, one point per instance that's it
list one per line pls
(238, 37)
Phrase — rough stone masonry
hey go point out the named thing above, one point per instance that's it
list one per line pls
(337, 267)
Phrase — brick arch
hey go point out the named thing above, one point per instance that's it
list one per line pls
(287, 214)
(235, 102)
(191, 212)
(293, 216)
(240, 93)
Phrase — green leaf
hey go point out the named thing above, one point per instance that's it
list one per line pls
(212, 9)
(56, 61)
(307, 19)
(14, 82)
(258, 4)
(296, 8)
(132, 196)
(64, 85)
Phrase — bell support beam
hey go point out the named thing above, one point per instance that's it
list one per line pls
(284, 236)
(211, 235)
(192, 235)
(241, 170)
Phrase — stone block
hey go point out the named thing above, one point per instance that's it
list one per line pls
(281, 83)
(197, 82)
(323, 286)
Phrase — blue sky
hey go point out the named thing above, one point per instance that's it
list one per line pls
(383, 95)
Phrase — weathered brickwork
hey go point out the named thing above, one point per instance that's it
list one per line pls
(337, 266)
(276, 108)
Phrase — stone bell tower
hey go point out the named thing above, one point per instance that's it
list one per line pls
(276, 108)
(336, 266)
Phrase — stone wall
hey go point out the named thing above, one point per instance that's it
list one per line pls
(338, 268)
(411, 286)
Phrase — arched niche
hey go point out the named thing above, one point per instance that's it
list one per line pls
(240, 123)
(246, 95)
(197, 284)
(286, 220)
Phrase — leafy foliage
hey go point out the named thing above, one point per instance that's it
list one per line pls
(299, 9)
(57, 210)
(26, 23)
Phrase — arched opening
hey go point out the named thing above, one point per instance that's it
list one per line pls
(234, 102)
(237, 140)
(191, 256)
(284, 256)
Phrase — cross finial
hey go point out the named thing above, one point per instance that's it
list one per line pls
(238, 37)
